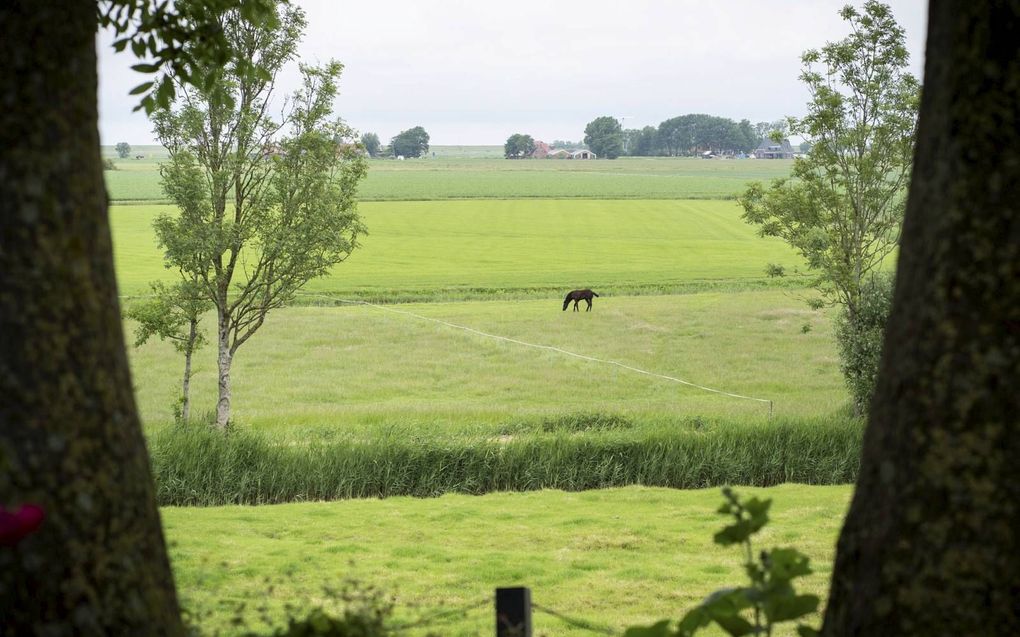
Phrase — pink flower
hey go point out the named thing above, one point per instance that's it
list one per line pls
(15, 526)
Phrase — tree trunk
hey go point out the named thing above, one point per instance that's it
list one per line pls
(70, 438)
(930, 545)
(224, 360)
(186, 384)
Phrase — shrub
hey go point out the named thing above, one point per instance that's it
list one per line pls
(859, 339)
(109, 165)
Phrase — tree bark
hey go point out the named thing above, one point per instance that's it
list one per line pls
(186, 384)
(70, 438)
(930, 545)
(223, 360)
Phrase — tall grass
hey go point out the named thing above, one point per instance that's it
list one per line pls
(196, 466)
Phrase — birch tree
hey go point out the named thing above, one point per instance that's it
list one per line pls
(266, 204)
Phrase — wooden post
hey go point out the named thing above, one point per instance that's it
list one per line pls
(513, 612)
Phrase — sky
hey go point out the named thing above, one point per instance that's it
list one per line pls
(473, 72)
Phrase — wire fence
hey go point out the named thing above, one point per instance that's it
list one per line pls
(501, 622)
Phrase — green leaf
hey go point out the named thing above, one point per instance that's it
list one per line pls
(145, 68)
(141, 88)
(786, 564)
(806, 631)
(658, 629)
(785, 609)
(733, 534)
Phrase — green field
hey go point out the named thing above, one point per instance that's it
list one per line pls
(336, 400)
(473, 178)
(612, 557)
(345, 369)
(477, 249)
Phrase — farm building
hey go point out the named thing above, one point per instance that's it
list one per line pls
(558, 153)
(769, 149)
(541, 150)
(582, 154)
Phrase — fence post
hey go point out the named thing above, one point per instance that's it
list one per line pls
(513, 612)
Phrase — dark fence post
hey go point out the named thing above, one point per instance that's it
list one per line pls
(513, 612)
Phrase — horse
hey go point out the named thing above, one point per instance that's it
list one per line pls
(577, 296)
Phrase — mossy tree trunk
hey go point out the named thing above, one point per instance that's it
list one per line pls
(70, 438)
(930, 546)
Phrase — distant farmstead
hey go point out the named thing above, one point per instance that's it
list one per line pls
(544, 151)
(769, 149)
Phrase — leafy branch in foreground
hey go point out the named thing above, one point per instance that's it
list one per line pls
(768, 599)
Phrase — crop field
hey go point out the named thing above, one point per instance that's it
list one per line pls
(610, 557)
(473, 178)
(446, 250)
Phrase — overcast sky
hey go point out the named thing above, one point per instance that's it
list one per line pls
(475, 72)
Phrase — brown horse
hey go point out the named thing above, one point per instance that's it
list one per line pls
(577, 296)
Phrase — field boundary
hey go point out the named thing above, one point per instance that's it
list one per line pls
(551, 348)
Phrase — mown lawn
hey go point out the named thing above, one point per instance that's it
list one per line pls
(611, 557)
(356, 368)
(473, 249)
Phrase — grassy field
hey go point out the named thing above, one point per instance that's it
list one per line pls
(316, 371)
(476, 249)
(461, 176)
(612, 557)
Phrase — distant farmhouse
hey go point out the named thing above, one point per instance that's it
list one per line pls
(544, 151)
(769, 149)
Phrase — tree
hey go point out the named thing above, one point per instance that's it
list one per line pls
(604, 136)
(371, 143)
(254, 225)
(172, 314)
(930, 544)
(70, 438)
(518, 146)
(123, 150)
(843, 206)
(645, 144)
(413, 142)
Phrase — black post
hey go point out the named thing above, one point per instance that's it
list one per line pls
(513, 612)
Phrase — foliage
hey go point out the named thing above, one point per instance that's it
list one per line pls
(769, 598)
(108, 164)
(123, 150)
(860, 337)
(183, 41)
(413, 142)
(518, 146)
(168, 313)
(843, 206)
(604, 136)
(644, 143)
(697, 132)
(371, 143)
(172, 313)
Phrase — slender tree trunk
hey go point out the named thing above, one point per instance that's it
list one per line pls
(931, 545)
(224, 360)
(70, 438)
(186, 384)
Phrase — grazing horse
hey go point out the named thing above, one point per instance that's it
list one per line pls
(576, 296)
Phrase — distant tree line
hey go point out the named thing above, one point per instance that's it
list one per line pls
(697, 133)
(413, 142)
(681, 136)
